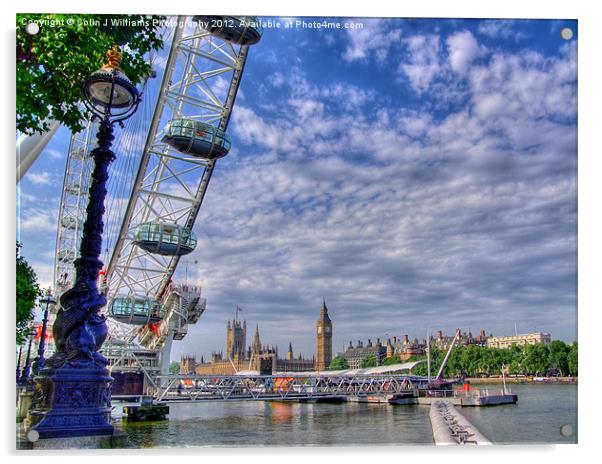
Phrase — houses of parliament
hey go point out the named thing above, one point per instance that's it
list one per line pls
(257, 357)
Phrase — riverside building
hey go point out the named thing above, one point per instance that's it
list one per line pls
(520, 340)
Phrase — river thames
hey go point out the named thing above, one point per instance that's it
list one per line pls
(537, 418)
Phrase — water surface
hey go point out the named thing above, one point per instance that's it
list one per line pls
(537, 418)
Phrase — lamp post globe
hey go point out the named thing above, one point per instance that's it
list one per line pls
(108, 93)
(73, 391)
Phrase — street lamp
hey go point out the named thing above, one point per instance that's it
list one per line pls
(75, 382)
(19, 362)
(27, 368)
(38, 365)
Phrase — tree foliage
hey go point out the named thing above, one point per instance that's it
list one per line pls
(52, 64)
(436, 360)
(174, 367)
(474, 360)
(559, 352)
(572, 358)
(27, 292)
(389, 361)
(536, 359)
(338, 363)
(369, 361)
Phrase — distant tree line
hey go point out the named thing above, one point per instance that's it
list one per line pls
(340, 363)
(474, 360)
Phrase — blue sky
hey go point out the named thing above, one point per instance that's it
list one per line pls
(416, 173)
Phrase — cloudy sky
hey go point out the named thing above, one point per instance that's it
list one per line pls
(418, 174)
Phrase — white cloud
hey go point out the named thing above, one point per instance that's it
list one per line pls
(374, 38)
(401, 214)
(423, 64)
(54, 154)
(38, 220)
(463, 49)
(277, 79)
(493, 104)
(525, 86)
(44, 271)
(25, 197)
(501, 29)
(42, 178)
(416, 124)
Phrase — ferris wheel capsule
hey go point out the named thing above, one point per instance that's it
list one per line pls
(136, 310)
(197, 138)
(241, 30)
(70, 222)
(165, 239)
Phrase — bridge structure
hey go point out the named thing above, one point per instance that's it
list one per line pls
(285, 386)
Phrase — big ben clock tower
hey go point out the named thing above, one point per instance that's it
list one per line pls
(324, 338)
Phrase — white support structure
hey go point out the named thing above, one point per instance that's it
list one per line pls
(200, 82)
(72, 211)
(29, 147)
(449, 350)
(165, 357)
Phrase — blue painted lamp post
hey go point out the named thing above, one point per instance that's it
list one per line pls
(75, 382)
(27, 368)
(19, 362)
(40, 361)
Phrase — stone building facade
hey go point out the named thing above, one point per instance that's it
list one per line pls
(520, 340)
(356, 355)
(237, 358)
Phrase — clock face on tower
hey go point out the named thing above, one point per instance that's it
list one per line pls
(327, 330)
(319, 330)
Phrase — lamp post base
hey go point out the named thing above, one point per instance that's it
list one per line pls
(115, 441)
(79, 401)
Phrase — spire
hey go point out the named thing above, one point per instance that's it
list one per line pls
(324, 310)
(256, 341)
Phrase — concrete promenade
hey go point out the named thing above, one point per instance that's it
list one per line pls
(450, 427)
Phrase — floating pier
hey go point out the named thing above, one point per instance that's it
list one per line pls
(452, 428)
(140, 409)
(397, 398)
(146, 413)
(476, 397)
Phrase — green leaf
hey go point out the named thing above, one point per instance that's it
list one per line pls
(52, 64)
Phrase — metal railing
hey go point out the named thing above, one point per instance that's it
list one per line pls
(480, 393)
(257, 387)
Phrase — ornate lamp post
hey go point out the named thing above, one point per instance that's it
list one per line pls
(38, 365)
(75, 383)
(19, 363)
(27, 368)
